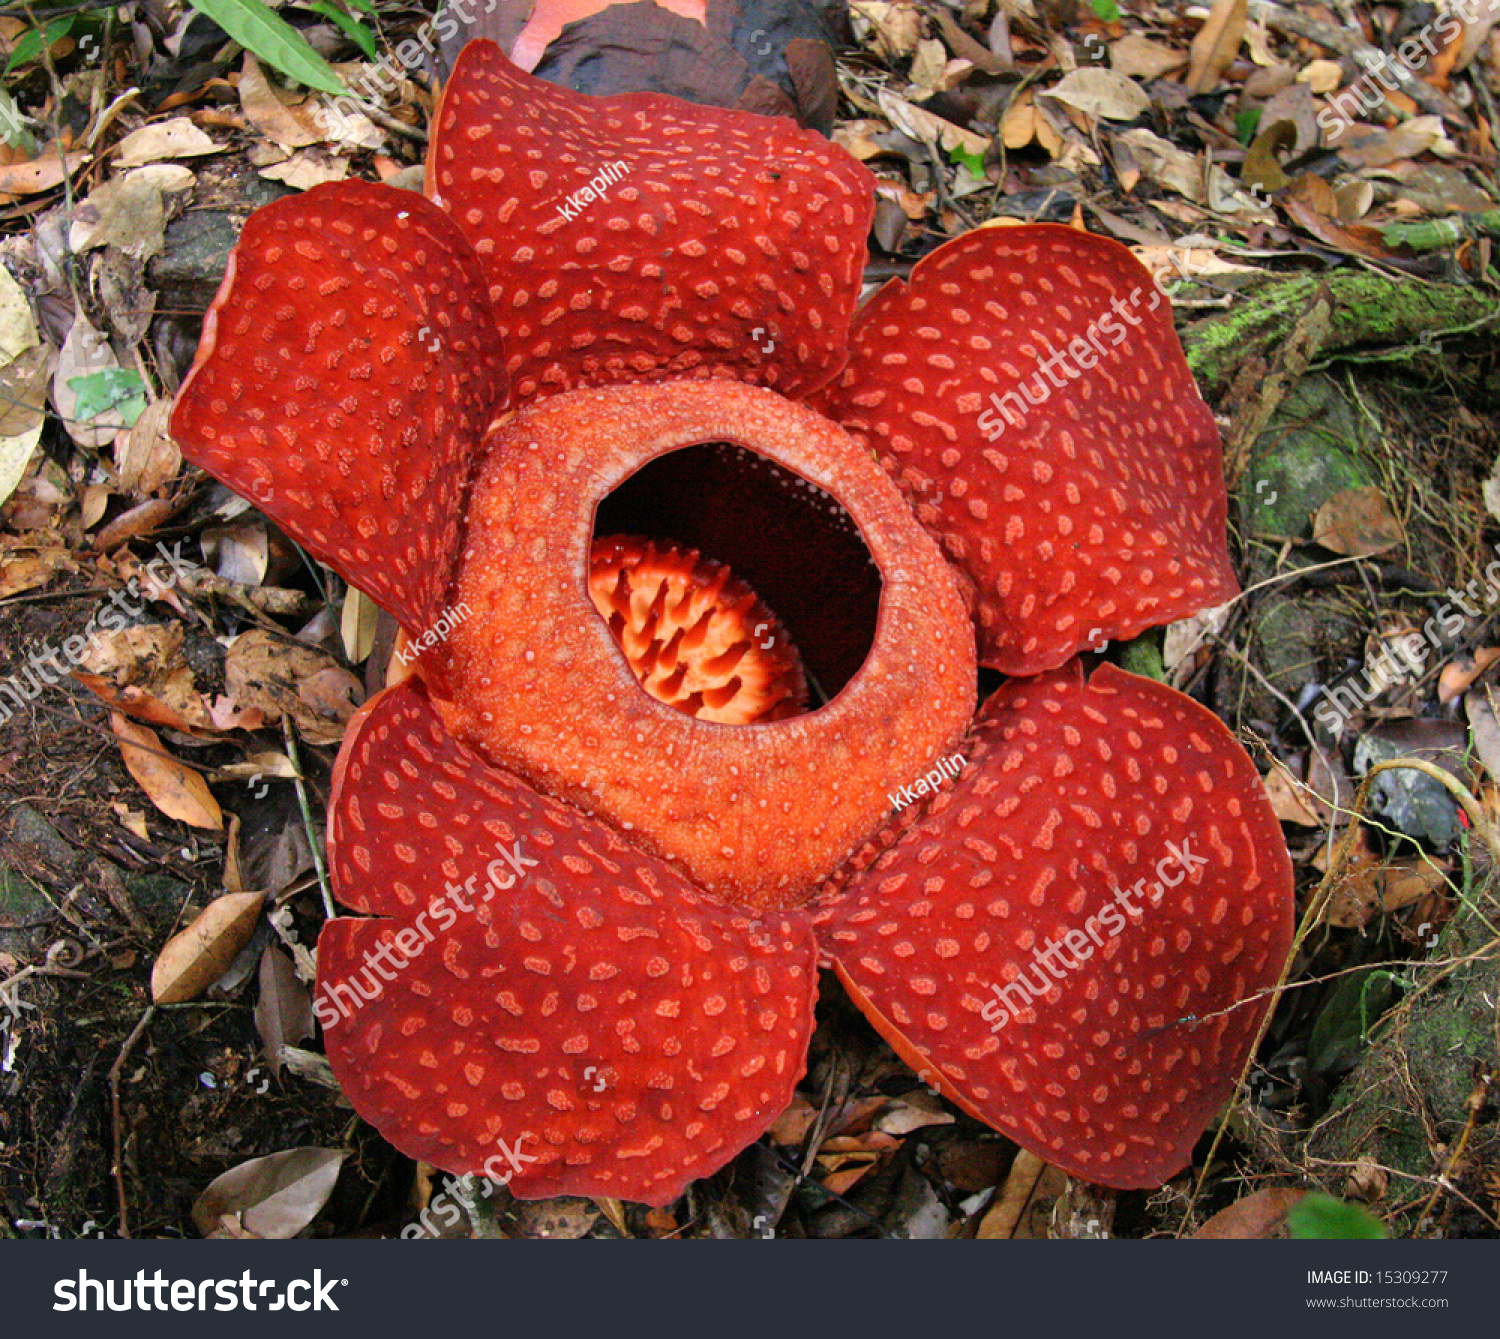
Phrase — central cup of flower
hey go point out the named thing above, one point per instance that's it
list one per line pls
(540, 679)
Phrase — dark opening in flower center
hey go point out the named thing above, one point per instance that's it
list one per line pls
(782, 543)
(695, 635)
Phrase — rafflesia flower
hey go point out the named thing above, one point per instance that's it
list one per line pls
(696, 567)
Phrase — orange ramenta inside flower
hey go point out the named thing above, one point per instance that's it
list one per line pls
(695, 636)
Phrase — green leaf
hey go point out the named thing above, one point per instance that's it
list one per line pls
(973, 161)
(357, 33)
(266, 34)
(30, 45)
(115, 388)
(1106, 10)
(1323, 1218)
(1246, 123)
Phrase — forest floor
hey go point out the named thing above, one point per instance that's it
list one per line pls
(1339, 308)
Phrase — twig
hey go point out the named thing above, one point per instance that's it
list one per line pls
(117, 1120)
(314, 841)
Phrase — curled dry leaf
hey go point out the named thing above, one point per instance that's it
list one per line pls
(177, 790)
(290, 125)
(1357, 522)
(194, 958)
(286, 677)
(146, 456)
(273, 1198)
(283, 1013)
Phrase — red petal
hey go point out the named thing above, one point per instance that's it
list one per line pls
(344, 382)
(1102, 514)
(1070, 792)
(601, 1017)
(720, 243)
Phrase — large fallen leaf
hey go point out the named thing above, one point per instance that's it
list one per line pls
(1357, 522)
(1140, 58)
(177, 790)
(129, 212)
(48, 170)
(1100, 93)
(15, 457)
(177, 138)
(290, 125)
(84, 352)
(273, 1198)
(1260, 1215)
(1216, 44)
(283, 1013)
(926, 128)
(194, 958)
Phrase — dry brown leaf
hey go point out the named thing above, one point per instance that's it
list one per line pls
(194, 958)
(926, 128)
(1357, 522)
(1322, 76)
(308, 168)
(46, 171)
(1485, 730)
(1217, 44)
(1100, 93)
(1290, 799)
(1257, 1216)
(289, 124)
(283, 1012)
(147, 457)
(85, 350)
(1140, 58)
(272, 1198)
(1012, 1215)
(280, 676)
(1459, 674)
(177, 790)
(177, 138)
